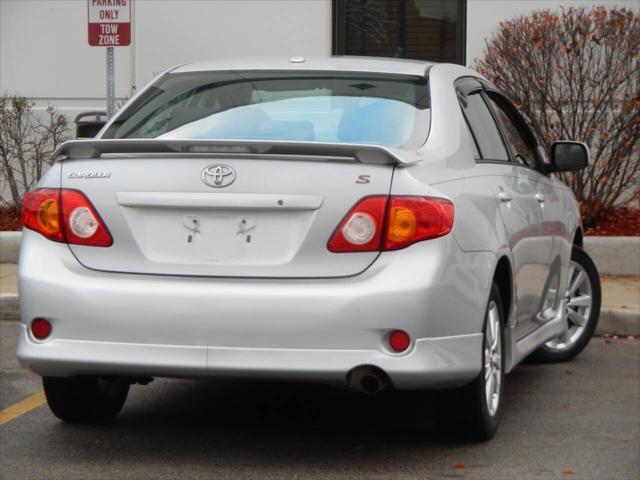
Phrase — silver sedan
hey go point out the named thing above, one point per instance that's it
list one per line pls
(369, 223)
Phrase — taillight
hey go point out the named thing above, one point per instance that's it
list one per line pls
(403, 219)
(413, 219)
(41, 212)
(64, 216)
(361, 229)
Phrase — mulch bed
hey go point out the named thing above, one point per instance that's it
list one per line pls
(9, 220)
(621, 222)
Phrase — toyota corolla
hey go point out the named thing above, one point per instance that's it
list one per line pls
(369, 223)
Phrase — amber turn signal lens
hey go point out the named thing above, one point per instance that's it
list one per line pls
(48, 217)
(402, 224)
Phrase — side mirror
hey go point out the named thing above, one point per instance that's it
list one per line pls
(567, 156)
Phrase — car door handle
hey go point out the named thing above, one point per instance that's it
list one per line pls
(540, 197)
(504, 197)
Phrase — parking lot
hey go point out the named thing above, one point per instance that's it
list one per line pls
(574, 420)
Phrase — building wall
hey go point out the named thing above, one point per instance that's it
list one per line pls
(483, 16)
(44, 53)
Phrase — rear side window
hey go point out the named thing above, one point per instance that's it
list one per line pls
(337, 107)
(484, 128)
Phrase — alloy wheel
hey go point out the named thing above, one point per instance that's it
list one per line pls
(492, 359)
(579, 305)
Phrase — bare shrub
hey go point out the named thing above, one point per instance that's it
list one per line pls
(27, 140)
(576, 75)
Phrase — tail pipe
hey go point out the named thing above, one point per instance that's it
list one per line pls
(368, 379)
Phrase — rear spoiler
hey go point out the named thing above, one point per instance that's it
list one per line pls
(85, 149)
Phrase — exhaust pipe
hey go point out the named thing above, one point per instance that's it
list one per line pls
(368, 379)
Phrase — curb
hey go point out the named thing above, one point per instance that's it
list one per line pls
(9, 307)
(615, 255)
(10, 246)
(614, 321)
(619, 322)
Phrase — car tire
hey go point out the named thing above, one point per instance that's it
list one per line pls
(85, 399)
(569, 345)
(467, 411)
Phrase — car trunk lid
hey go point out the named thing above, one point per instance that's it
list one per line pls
(167, 215)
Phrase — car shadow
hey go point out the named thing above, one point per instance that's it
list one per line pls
(269, 424)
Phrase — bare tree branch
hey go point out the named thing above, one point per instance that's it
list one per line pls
(576, 75)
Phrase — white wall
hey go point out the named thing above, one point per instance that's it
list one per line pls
(44, 52)
(483, 16)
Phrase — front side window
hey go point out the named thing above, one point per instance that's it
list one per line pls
(337, 107)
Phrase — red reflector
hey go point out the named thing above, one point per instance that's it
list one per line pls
(64, 216)
(399, 341)
(40, 328)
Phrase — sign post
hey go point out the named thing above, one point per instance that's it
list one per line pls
(109, 26)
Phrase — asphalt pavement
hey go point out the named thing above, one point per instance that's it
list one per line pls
(578, 420)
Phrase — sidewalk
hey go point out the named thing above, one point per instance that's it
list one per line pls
(620, 312)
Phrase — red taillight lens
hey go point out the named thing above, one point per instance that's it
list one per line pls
(82, 224)
(64, 216)
(413, 219)
(361, 229)
(41, 212)
(404, 219)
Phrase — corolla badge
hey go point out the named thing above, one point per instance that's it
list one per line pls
(218, 176)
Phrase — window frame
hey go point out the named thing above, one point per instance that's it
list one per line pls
(466, 86)
(520, 123)
(470, 85)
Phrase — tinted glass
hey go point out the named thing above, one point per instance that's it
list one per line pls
(474, 145)
(523, 150)
(420, 29)
(390, 110)
(484, 128)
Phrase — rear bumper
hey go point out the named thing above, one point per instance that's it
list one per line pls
(431, 362)
(315, 330)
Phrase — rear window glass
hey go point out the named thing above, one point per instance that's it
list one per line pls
(338, 107)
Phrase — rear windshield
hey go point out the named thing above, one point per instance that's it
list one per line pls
(341, 107)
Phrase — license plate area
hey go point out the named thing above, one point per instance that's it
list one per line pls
(235, 237)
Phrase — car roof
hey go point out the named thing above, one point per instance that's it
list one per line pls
(334, 63)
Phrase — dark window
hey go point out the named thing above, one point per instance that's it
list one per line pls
(420, 29)
(523, 149)
(484, 128)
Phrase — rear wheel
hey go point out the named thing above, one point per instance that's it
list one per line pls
(85, 399)
(474, 410)
(583, 310)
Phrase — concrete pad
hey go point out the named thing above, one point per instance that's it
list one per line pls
(620, 292)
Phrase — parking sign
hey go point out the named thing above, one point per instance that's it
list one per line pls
(109, 23)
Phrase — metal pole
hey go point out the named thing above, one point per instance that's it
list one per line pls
(111, 90)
